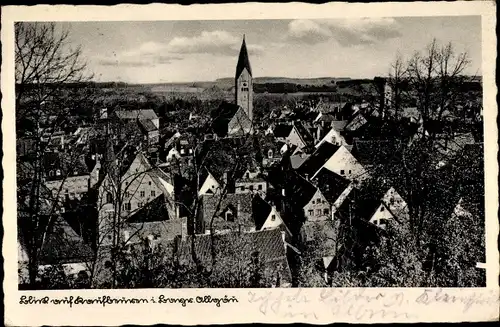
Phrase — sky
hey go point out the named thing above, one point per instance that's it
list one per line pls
(188, 51)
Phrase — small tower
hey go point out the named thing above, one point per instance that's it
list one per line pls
(243, 82)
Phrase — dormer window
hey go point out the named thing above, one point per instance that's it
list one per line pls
(58, 172)
(270, 154)
(229, 216)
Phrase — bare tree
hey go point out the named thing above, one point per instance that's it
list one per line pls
(45, 65)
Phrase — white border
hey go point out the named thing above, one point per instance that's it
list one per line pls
(302, 305)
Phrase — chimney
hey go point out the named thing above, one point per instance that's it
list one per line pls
(306, 176)
(238, 207)
(283, 236)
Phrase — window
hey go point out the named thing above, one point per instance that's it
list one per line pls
(342, 172)
(229, 216)
(149, 183)
(190, 150)
(250, 187)
(152, 193)
(313, 202)
(318, 212)
(311, 212)
(259, 187)
(127, 194)
(109, 197)
(127, 206)
(326, 211)
(242, 188)
(51, 173)
(270, 154)
(58, 172)
(140, 204)
(382, 208)
(143, 194)
(182, 151)
(349, 171)
(273, 217)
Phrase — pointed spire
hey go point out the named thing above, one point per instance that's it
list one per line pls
(243, 61)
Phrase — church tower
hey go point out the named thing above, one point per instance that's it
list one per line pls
(243, 82)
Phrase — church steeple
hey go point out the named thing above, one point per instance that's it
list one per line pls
(243, 81)
(243, 61)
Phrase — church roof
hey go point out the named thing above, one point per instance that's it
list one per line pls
(243, 61)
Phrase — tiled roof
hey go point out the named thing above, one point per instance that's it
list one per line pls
(147, 125)
(137, 114)
(319, 157)
(155, 210)
(330, 184)
(339, 125)
(268, 244)
(231, 201)
(162, 231)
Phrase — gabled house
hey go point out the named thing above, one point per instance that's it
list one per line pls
(208, 184)
(266, 216)
(376, 206)
(150, 131)
(335, 158)
(289, 134)
(303, 200)
(251, 180)
(334, 135)
(334, 187)
(141, 186)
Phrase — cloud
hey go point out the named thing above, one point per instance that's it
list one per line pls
(347, 32)
(123, 63)
(214, 42)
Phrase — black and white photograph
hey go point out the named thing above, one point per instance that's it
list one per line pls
(256, 153)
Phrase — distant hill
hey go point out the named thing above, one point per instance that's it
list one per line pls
(287, 80)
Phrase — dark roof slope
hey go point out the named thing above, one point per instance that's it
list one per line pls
(319, 157)
(260, 211)
(282, 130)
(330, 184)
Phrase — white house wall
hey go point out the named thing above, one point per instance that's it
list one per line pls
(344, 164)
